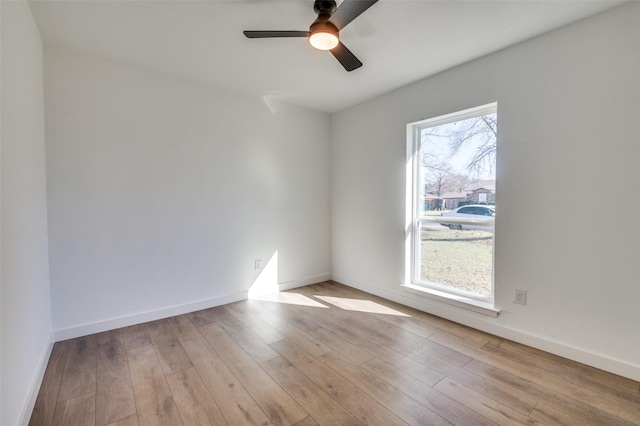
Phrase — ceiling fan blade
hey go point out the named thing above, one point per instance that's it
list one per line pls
(345, 57)
(348, 11)
(272, 34)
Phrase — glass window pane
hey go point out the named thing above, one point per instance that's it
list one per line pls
(456, 164)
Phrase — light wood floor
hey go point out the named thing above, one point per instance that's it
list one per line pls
(323, 354)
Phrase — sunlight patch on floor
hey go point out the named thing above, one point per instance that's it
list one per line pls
(291, 299)
(360, 305)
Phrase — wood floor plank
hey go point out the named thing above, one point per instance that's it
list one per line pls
(235, 403)
(310, 396)
(298, 336)
(571, 371)
(353, 399)
(135, 336)
(250, 342)
(78, 411)
(161, 333)
(551, 416)
(170, 352)
(432, 348)
(307, 421)
(513, 398)
(432, 368)
(154, 401)
(79, 376)
(549, 359)
(47, 399)
(481, 404)
(312, 323)
(583, 411)
(114, 392)
(183, 328)
(337, 342)
(617, 408)
(202, 317)
(382, 369)
(256, 324)
(275, 402)
(194, 403)
(128, 421)
(398, 402)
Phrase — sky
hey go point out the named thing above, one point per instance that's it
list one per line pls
(438, 146)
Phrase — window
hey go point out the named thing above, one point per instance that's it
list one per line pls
(452, 187)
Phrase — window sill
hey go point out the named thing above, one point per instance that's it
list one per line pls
(453, 299)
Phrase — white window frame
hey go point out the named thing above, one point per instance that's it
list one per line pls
(412, 284)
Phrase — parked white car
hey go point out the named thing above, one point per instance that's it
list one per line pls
(473, 216)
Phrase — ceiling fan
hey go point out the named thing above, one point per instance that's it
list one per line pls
(323, 33)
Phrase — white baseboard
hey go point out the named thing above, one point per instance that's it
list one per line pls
(34, 387)
(142, 317)
(476, 321)
(289, 285)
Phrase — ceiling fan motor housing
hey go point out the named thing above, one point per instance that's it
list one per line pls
(324, 9)
(324, 27)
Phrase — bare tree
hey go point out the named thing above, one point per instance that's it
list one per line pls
(437, 183)
(483, 132)
(441, 178)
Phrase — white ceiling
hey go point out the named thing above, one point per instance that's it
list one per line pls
(398, 41)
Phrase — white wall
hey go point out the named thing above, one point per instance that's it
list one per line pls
(568, 170)
(25, 312)
(163, 192)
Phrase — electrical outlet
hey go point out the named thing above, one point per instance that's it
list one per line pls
(520, 297)
(258, 264)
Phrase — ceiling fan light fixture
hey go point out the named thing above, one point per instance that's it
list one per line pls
(323, 36)
(323, 33)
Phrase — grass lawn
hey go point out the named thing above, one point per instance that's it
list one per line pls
(458, 258)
